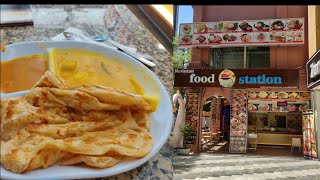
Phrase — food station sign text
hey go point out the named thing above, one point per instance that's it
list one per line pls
(237, 78)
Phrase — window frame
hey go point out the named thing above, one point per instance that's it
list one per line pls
(246, 62)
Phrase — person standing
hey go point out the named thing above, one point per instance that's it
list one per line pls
(180, 120)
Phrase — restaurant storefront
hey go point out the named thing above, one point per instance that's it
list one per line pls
(246, 82)
(247, 108)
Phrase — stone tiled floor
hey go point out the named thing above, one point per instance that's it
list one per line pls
(266, 150)
(230, 166)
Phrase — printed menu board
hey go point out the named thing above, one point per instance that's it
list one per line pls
(296, 101)
(279, 95)
(238, 121)
(263, 106)
(192, 113)
(309, 143)
(289, 31)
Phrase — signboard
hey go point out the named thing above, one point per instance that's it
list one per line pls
(238, 121)
(283, 95)
(313, 70)
(265, 32)
(282, 103)
(237, 78)
(309, 142)
(278, 101)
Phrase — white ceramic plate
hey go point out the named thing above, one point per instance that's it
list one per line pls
(161, 120)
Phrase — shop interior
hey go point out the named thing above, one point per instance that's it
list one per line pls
(271, 126)
(215, 123)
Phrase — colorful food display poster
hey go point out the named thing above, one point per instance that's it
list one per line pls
(192, 113)
(263, 106)
(279, 95)
(268, 101)
(259, 106)
(186, 39)
(294, 122)
(200, 39)
(238, 121)
(215, 115)
(309, 143)
(288, 31)
(214, 39)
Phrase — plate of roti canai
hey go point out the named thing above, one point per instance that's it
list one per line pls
(58, 130)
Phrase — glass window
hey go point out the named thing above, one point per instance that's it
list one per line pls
(228, 58)
(233, 57)
(258, 57)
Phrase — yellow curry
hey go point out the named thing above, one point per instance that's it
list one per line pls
(22, 73)
(77, 67)
(85, 67)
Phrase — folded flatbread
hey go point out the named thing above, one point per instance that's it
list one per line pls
(55, 123)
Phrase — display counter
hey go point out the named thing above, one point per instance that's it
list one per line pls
(280, 132)
(276, 138)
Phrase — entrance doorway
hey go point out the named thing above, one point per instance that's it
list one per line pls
(215, 124)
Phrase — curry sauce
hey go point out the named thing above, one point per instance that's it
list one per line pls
(84, 67)
(22, 73)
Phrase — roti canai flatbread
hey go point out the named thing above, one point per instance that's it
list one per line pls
(55, 123)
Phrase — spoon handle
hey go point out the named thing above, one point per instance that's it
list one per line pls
(134, 55)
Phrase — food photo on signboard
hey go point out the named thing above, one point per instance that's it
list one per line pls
(288, 31)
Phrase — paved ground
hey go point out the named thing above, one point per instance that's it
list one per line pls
(243, 167)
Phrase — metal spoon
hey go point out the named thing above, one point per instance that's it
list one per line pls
(68, 36)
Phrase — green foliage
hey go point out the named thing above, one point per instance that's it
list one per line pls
(186, 130)
(181, 56)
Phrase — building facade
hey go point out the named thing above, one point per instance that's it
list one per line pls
(254, 57)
